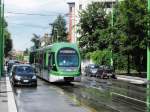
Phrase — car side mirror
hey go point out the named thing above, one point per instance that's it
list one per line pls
(13, 72)
(35, 71)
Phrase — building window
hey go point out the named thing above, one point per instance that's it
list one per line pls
(70, 9)
(108, 4)
(80, 7)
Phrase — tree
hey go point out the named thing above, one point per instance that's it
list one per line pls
(26, 52)
(7, 40)
(130, 30)
(59, 30)
(93, 21)
(36, 41)
(8, 43)
(100, 56)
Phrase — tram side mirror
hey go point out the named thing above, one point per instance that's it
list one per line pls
(54, 67)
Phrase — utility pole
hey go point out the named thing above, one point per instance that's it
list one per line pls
(112, 24)
(148, 63)
(3, 37)
(0, 40)
(148, 49)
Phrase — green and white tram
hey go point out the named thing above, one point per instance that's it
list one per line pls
(57, 62)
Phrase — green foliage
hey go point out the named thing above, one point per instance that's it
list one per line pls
(36, 41)
(59, 30)
(120, 61)
(100, 57)
(20, 57)
(130, 29)
(127, 37)
(7, 41)
(93, 21)
(26, 52)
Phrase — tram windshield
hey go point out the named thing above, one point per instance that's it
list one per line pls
(68, 58)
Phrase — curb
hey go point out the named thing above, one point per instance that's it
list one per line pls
(12, 107)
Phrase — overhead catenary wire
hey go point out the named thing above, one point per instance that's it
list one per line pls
(31, 25)
(35, 14)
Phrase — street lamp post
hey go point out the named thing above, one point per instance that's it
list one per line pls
(148, 49)
(148, 63)
(56, 34)
(112, 24)
(51, 25)
(54, 38)
(0, 41)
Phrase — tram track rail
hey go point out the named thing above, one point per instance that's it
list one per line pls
(137, 103)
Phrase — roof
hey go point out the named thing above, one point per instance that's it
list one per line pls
(59, 45)
(22, 65)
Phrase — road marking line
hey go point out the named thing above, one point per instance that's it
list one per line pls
(11, 101)
(130, 98)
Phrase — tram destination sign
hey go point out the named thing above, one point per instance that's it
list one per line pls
(67, 51)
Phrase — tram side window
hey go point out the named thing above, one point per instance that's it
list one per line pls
(53, 58)
(41, 59)
(51, 61)
(45, 60)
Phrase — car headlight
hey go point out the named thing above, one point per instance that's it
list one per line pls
(17, 77)
(34, 77)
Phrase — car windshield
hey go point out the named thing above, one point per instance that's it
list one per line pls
(94, 66)
(24, 69)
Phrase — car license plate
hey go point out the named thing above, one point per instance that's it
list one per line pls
(25, 80)
(94, 70)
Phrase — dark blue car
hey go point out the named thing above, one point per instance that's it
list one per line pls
(23, 74)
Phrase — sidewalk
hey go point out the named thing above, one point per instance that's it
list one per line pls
(3, 95)
(134, 80)
(7, 100)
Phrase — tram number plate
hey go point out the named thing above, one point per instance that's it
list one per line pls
(25, 80)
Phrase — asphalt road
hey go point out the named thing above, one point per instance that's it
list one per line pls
(87, 96)
(45, 98)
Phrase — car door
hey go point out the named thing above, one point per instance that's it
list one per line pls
(12, 73)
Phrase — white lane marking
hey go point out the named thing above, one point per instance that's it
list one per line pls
(130, 98)
(11, 99)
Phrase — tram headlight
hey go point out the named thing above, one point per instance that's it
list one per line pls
(18, 77)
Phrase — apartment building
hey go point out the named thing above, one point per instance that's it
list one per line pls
(75, 6)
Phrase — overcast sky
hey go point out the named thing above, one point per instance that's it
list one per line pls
(22, 26)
